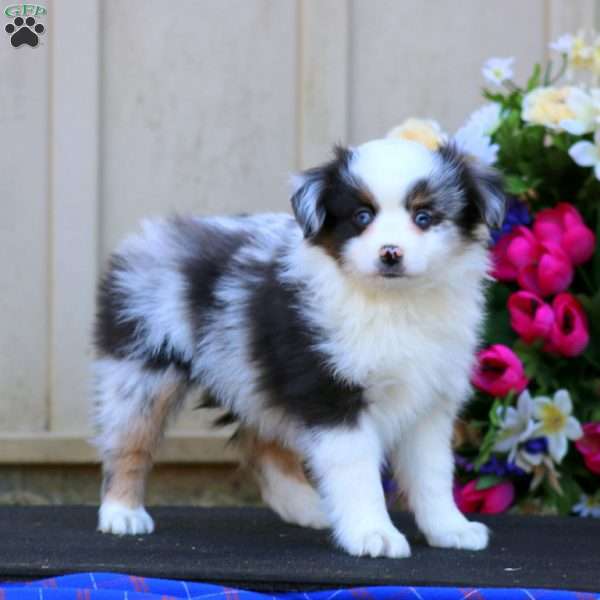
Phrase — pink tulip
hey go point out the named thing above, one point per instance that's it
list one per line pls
(569, 334)
(541, 267)
(563, 225)
(524, 248)
(589, 446)
(499, 370)
(503, 269)
(551, 273)
(492, 500)
(530, 316)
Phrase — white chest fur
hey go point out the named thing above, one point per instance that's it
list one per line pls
(408, 346)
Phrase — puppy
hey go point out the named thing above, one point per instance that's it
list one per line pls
(337, 339)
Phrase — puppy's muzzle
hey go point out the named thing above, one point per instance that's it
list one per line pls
(390, 255)
(391, 261)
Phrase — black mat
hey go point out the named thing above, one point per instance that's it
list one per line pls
(251, 548)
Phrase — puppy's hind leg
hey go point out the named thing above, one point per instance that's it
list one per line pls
(132, 405)
(283, 483)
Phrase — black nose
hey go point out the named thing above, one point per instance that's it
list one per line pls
(390, 255)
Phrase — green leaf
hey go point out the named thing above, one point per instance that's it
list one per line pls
(571, 493)
(516, 185)
(547, 73)
(494, 96)
(591, 306)
(487, 445)
(595, 414)
(539, 366)
(534, 80)
(494, 416)
(497, 325)
(487, 481)
(489, 440)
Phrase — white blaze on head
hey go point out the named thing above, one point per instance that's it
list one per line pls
(389, 168)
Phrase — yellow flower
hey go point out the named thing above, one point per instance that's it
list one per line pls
(424, 131)
(556, 423)
(581, 55)
(547, 106)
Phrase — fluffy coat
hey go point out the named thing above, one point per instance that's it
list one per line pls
(337, 339)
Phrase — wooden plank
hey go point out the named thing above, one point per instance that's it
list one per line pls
(323, 79)
(197, 117)
(56, 448)
(74, 114)
(24, 277)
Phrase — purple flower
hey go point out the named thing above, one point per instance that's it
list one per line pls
(463, 463)
(537, 445)
(494, 466)
(514, 470)
(499, 467)
(517, 213)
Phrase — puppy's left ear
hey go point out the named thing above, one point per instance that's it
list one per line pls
(489, 193)
(481, 184)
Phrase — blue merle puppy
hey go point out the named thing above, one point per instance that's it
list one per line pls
(336, 338)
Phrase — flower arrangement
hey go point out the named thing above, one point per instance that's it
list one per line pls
(530, 439)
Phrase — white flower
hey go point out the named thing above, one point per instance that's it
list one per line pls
(563, 44)
(587, 154)
(486, 118)
(481, 148)
(547, 106)
(556, 422)
(517, 426)
(474, 137)
(586, 111)
(498, 70)
(528, 461)
(581, 54)
(588, 506)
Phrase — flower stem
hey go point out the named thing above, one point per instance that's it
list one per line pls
(510, 85)
(561, 71)
(547, 73)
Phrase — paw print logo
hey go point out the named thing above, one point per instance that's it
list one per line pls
(24, 32)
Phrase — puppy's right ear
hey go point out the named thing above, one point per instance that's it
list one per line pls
(310, 187)
(307, 200)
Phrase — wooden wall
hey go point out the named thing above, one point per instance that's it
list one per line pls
(139, 108)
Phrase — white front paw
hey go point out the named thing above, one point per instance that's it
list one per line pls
(467, 536)
(384, 540)
(114, 517)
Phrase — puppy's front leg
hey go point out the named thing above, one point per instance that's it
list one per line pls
(346, 463)
(424, 466)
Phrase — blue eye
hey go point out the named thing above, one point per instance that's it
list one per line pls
(363, 217)
(423, 219)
